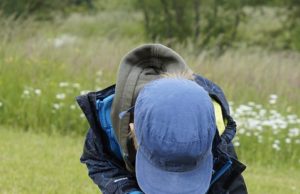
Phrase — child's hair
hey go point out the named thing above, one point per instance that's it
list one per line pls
(182, 74)
(131, 135)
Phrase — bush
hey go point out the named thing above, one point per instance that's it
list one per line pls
(207, 23)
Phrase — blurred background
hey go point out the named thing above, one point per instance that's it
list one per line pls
(54, 50)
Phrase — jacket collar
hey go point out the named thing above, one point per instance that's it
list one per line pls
(87, 103)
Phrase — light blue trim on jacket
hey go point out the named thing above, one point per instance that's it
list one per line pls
(103, 110)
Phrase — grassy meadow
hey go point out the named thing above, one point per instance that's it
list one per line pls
(45, 65)
(39, 163)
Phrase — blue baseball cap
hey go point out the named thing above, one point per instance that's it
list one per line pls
(175, 126)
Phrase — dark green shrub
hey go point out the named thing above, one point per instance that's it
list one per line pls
(208, 23)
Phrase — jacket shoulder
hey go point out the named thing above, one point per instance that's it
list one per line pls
(214, 91)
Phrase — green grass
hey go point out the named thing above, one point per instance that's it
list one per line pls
(38, 163)
(272, 180)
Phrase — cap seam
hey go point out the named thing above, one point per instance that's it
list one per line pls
(194, 141)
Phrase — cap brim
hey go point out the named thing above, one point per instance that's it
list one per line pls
(153, 180)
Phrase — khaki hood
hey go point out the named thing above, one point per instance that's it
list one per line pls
(140, 66)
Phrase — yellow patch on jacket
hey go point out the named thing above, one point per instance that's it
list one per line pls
(219, 117)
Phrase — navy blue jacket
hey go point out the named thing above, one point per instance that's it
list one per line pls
(111, 175)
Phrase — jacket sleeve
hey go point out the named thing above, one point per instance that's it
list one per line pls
(238, 185)
(109, 174)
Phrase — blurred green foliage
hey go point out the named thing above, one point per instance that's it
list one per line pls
(43, 9)
(215, 23)
(207, 24)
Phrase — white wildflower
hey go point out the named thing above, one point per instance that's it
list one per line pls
(274, 113)
(253, 123)
(258, 106)
(273, 96)
(276, 141)
(38, 92)
(63, 84)
(250, 103)
(288, 140)
(243, 109)
(236, 144)
(99, 73)
(84, 92)
(262, 112)
(291, 117)
(72, 107)
(272, 101)
(81, 115)
(56, 106)
(64, 39)
(294, 132)
(276, 147)
(259, 128)
(241, 131)
(76, 85)
(25, 93)
(1, 104)
(60, 96)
